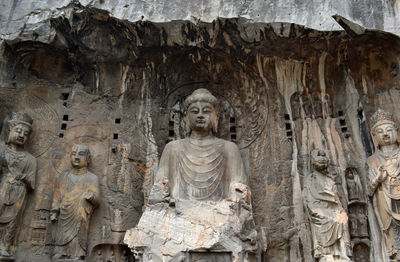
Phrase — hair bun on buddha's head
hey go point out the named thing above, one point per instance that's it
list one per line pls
(200, 95)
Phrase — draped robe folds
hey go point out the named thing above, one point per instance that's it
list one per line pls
(201, 170)
(74, 212)
(386, 197)
(13, 191)
(329, 228)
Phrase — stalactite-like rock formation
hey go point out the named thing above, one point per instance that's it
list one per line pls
(118, 86)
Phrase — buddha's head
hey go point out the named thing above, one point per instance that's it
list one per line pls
(80, 156)
(319, 160)
(201, 111)
(384, 129)
(19, 129)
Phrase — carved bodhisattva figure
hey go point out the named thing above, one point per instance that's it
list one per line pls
(199, 184)
(328, 219)
(17, 177)
(75, 197)
(384, 181)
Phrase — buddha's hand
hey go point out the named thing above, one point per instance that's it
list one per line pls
(240, 192)
(164, 187)
(382, 174)
(89, 196)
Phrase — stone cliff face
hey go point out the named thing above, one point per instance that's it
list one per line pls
(113, 75)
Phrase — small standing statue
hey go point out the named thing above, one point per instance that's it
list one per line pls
(75, 197)
(384, 174)
(18, 176)
(328, 219)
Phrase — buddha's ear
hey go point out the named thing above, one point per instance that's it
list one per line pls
(214, 122)
(187, 124)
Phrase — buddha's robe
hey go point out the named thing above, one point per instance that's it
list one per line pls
(13, 190)
(329, 224)
(74, 212)
(201, 169)
(386, 198)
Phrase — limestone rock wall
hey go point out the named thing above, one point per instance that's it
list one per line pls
(88, 77)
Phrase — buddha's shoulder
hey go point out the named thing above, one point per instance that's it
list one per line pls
(374, 161)
(227, 144)
(174, 145)
(91, 176)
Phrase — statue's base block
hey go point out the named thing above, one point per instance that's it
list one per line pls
(7, 259)
(186, 230)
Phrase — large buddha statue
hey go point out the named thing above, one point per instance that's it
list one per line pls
(75, 197)
(17, 178)
(200, 192)
(201, 166)
(384, 181)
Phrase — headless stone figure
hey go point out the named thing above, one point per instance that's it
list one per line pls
(75, 198)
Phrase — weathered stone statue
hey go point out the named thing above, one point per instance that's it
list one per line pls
(354, 187)
(17, 177)
(201, 166)
(75, 197)
(200, 198)
(384, 174)
(328, 219)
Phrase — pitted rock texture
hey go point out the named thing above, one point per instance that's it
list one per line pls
(117, 86)
(26, 19)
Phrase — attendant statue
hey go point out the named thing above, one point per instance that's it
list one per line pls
(200, 199)
(328, 219)
(17, 178)
(384, 181)
(75, 197)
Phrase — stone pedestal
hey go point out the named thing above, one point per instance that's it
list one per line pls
(194, 231)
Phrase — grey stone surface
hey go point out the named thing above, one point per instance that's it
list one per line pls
(27, 19)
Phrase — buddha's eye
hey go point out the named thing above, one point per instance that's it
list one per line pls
(207, 110)
(379, 130)
(194, 110)
(82, 153)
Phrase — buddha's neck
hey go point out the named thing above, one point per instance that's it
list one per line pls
(201, 135)
(79, 171)
(389, 148)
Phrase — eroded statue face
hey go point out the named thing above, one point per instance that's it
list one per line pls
(79, 157)
(19, 134)
(319, 159)
(386, 134)
(200, 116)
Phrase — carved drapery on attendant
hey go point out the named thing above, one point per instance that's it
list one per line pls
(18, 176)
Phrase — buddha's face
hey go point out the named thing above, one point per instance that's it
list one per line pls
(19, 134)
(319, 159)
(200, 116)
(79, 157)
(386, 134)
